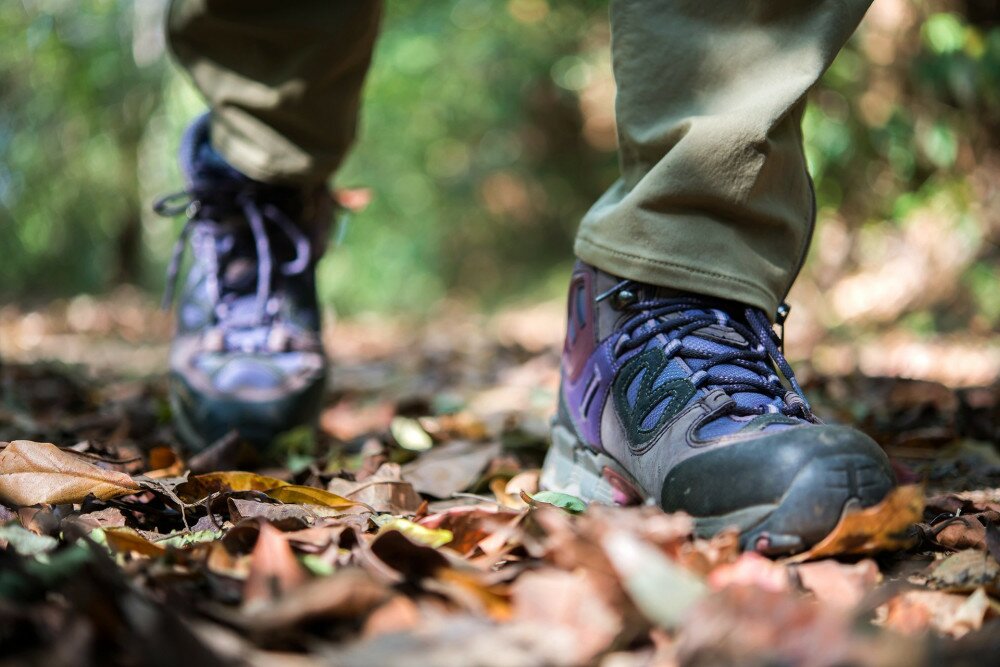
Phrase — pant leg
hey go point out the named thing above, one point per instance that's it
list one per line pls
(283, 79)
(714, 196)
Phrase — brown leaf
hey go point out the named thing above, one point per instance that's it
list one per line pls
(962, 532)
(882, 527)
(449, 469)
(471, 591)
(126, 540)
(225, 564)
(164, 462)
(469, 525)
(751, 569)
(384, 491)
(838, 584)
(37, 472)
(198, 487)
(914, 611)
(966, 571)
(388, 497)
(110, 517)
(274, 569)
(281, 516)
(398, 614)
(349, 593)
(744, 625)
(568, 602)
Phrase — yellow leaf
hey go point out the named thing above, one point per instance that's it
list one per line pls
(39, 472)
(126, 540)
(432, 537)
(881, 527)
(200, 486)
(308, 495)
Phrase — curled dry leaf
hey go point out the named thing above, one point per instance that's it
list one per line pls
(882, 527)
(751, 569)
(349, 593)
(966, 571)
(39, 472)
(913, 612)
(126, 540)
(164, 462)
(384, 491)
(840, 585)
(526, 481)
(198, 487)
(450, 468)
(470, 525)
(274, 569)
(570, 602)
(962, 532)
(308, 495)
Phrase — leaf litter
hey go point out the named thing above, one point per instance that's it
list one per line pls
(411, 531)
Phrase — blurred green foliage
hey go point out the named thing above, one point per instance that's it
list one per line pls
(478, 144)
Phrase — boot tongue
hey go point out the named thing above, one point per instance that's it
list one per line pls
(718, 332)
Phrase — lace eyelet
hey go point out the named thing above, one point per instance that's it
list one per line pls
(623, 298)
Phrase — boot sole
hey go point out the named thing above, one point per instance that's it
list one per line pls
(200, 420)
(810, 508)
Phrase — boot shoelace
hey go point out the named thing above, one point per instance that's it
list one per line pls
(204, 204)
(652, 317)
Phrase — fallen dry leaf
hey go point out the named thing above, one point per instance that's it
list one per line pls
(164, 462)
(962, 532)
(751, 569)
(840, 585)
(385, 491)
(33, 473)
(882, 527)
(570, 602)
(913, 612)
(308, 495)
(274, 569)
(966, 571)
(126, 540)
(198, 487)
(449, 469)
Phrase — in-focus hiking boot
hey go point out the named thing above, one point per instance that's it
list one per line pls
(675, 399)
(247, 354)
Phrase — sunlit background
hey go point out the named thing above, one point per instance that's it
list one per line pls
(487, 132)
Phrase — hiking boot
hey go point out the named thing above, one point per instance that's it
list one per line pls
(675, 399)
(247, 354)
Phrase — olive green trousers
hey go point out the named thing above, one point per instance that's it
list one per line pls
(714, 196)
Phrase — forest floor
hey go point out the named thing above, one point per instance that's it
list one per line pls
(410, 530)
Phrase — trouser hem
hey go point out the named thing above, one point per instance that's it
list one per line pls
(676, 275)
(257, 163)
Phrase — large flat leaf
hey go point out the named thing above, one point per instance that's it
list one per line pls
(39, 472)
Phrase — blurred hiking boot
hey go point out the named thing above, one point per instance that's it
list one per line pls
(247, 353)
(674, 399)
